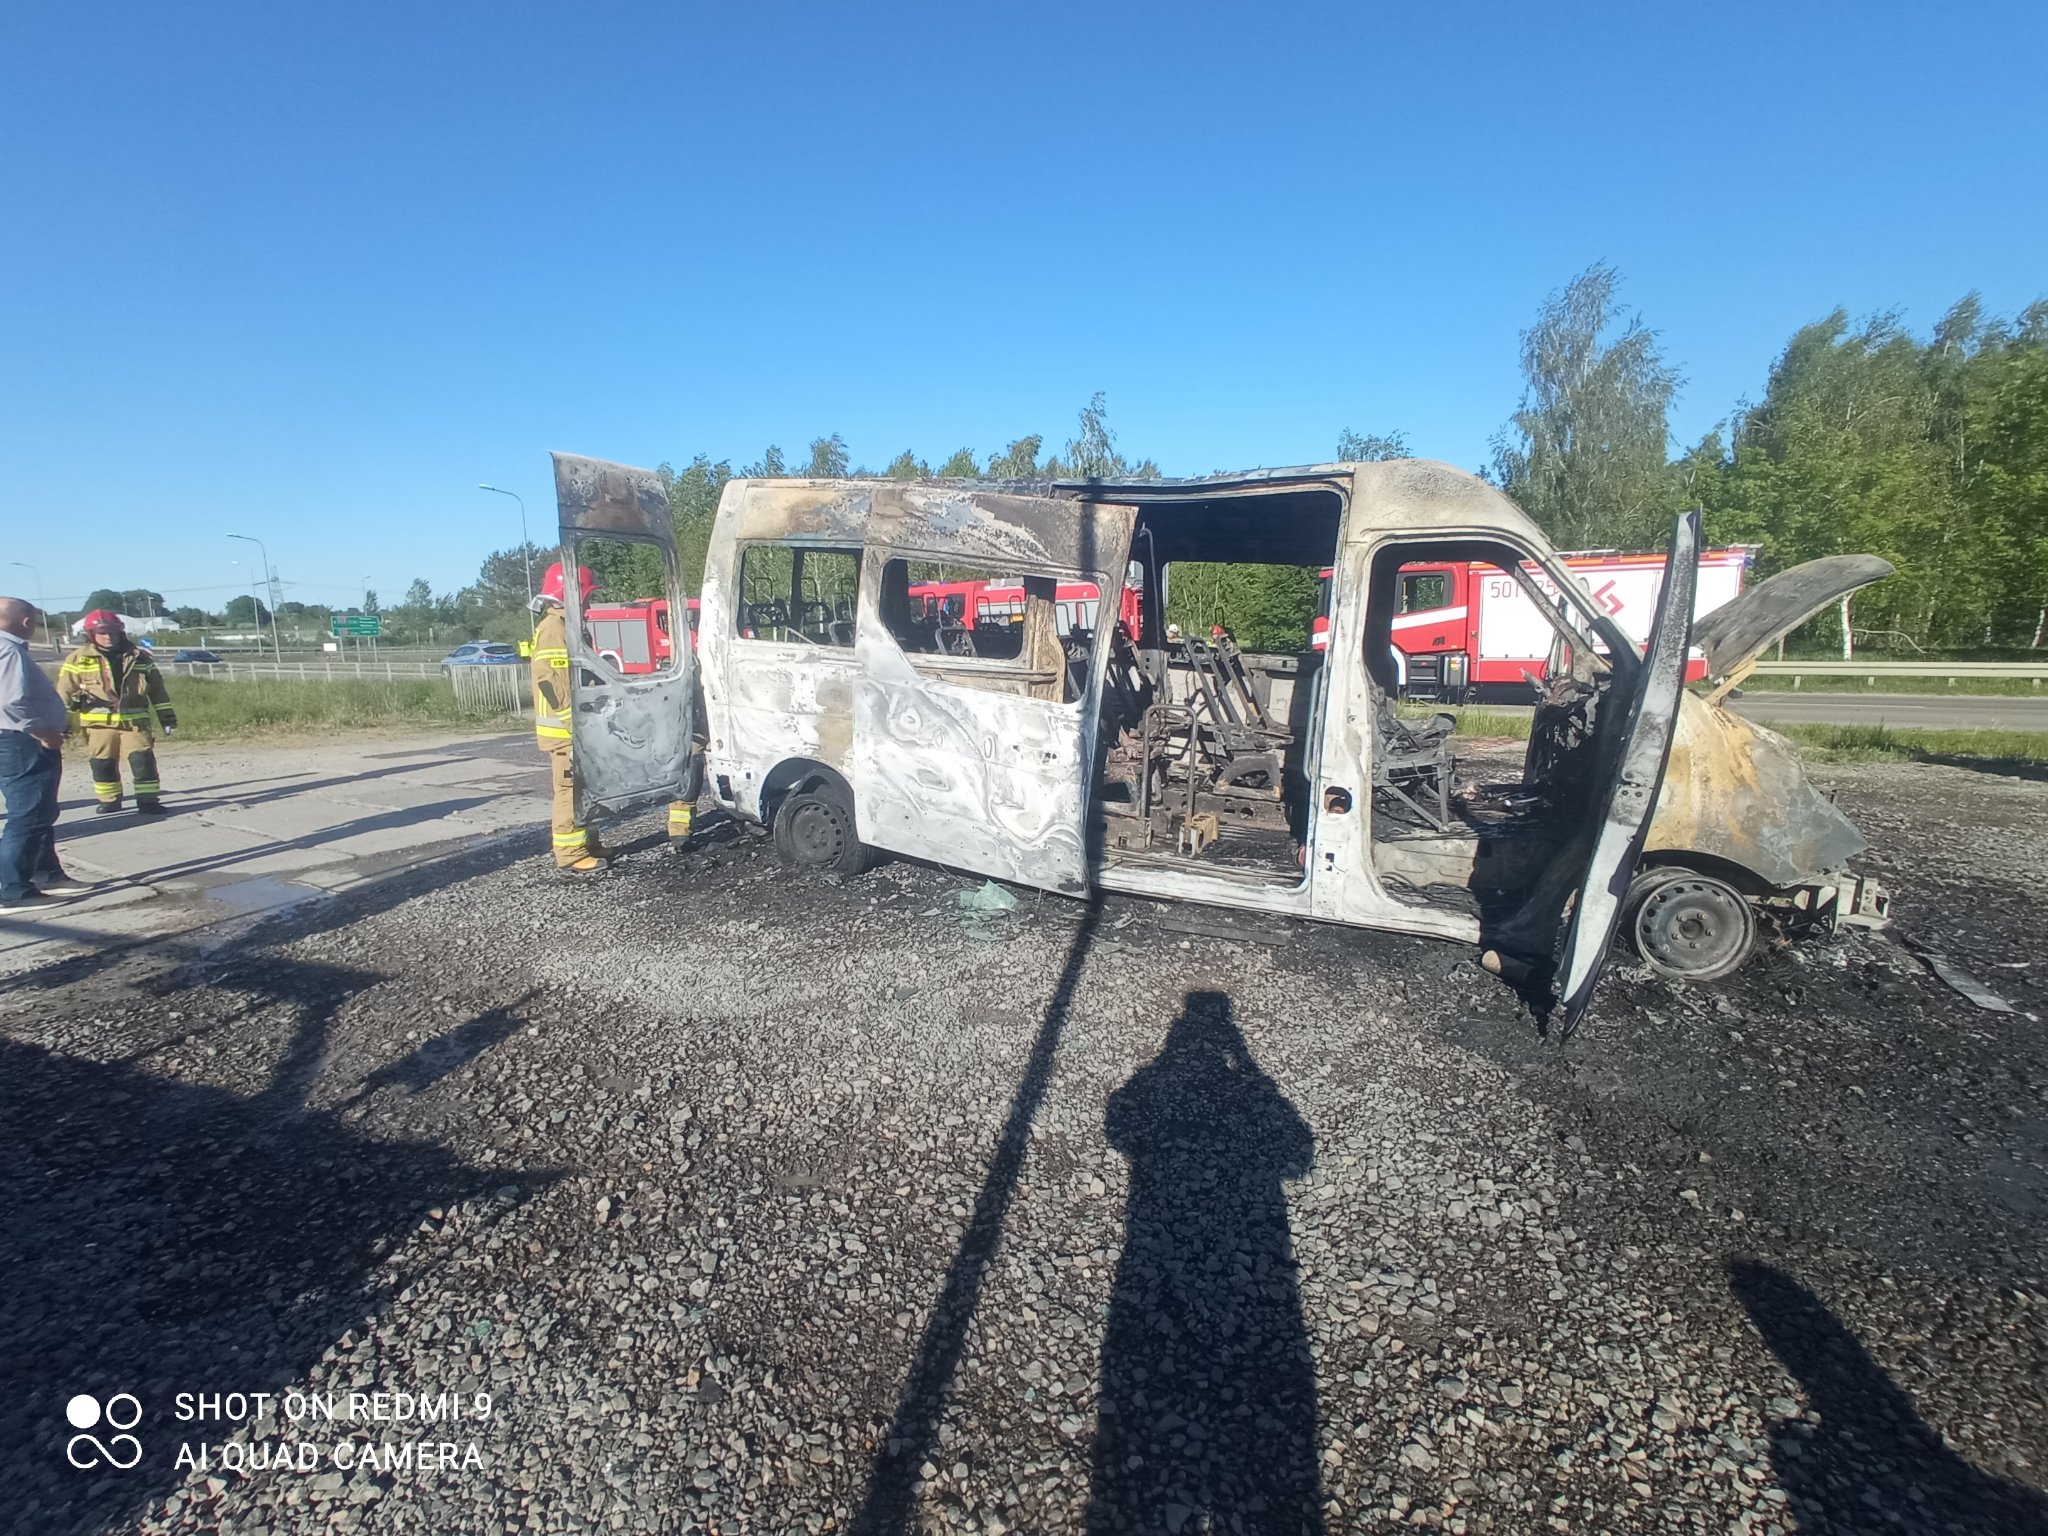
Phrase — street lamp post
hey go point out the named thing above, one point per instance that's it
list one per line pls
(255, 616)
(525, 544)
(39, 600)
(276, 650)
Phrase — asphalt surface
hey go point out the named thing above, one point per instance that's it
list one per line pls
(1918, 711)
(757, 1203)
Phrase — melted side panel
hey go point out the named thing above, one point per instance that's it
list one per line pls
(982, 778)
(592, 496)
(632, 743)
(985, 781)
(1015, 533)
(824, 511)
(782, 707)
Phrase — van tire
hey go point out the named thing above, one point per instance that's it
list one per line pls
(814, 829)
(1687, 925)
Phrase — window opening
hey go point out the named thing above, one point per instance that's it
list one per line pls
(798, 594)
(625, 614)
(1422, 591)
(995, 630)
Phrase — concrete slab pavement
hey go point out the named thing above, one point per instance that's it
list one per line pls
(256, 827)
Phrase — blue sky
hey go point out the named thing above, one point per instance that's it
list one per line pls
(311, 273)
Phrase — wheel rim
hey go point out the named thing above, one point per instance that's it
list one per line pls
(1694, 927)
(817, 833)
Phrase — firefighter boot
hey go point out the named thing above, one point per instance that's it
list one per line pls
(589, 864)
(142, 772)
(105, 763)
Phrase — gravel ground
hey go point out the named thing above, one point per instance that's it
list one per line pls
(767, 1205)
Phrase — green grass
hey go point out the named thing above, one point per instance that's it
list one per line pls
(217, 710)
(1813, 682)
(1887, 744)
(1820, 743)
(1477, 720)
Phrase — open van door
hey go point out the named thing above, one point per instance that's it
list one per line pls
(1629, 795)
(630, 741)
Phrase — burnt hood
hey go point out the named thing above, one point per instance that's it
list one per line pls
(1735, 632)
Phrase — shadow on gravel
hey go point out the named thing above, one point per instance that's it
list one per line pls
(1208, 1390)
(886, 1505)
(163, 1238)
(1871, 1463)
(159, 1237)
(469, 858)
(2002, 767)
(425, 1065)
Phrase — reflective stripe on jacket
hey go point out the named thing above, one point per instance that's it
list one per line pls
(86, 680)
(551, 678)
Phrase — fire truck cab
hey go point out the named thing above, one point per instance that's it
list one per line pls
(634, 636)
(1467, 632)
(1119, 756)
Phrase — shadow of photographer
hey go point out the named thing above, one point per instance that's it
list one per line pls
(1208, 1406)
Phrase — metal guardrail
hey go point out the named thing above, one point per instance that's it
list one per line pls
(318, 671)
(481, 690)
(1872, 671)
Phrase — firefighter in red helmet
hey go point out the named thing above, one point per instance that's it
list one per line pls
(552, 726)
(113, 689)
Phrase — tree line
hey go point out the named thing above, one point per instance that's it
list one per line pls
(1931, 451)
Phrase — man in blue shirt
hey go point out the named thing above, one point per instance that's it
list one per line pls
(32, 726)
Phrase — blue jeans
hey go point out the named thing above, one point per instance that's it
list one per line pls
(29, 772)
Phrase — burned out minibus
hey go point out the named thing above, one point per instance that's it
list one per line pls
(1072, 750)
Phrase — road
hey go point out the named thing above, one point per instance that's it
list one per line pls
(1919, 711)
(258, 826)
(755, 1203)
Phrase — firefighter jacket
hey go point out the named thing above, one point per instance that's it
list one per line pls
(121, 687)
(551, 679)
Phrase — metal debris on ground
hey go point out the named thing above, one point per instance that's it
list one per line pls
(1963, 984)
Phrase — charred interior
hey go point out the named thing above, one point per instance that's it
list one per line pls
(1446, 837)
(1208, 749)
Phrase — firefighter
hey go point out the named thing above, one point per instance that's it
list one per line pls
(113, 689)
(576, 847)
(551, 719)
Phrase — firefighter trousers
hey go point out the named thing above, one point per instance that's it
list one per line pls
(105, 746)
(571, 841)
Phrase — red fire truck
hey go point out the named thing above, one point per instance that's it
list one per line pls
(1468, 631)
(978, 604)
(634, 637)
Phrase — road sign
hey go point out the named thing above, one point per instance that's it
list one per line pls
(363, 626)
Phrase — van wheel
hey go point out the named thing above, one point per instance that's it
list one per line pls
(1688, 926)
(814, 830)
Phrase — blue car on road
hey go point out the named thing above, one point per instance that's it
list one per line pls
(480, 653)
